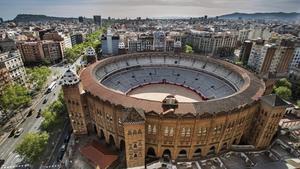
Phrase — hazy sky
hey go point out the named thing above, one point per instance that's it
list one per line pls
(144, 8)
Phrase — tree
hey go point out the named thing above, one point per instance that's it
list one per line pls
(188, 49)
(51, 120)
(298, 103)
(283, 92)
(32, 146)
(283, 82)
(14, 96)
(38, 76)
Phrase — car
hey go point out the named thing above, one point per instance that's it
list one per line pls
(2, 161)
(67, 138)
(18, 132)
(63, 148)
(30, 113)
(60, 156)
(45, 101)
(39, 113)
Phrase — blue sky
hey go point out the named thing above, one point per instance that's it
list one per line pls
(144, 8)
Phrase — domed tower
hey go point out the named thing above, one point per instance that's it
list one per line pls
(169, 103)
(91, 55)
(73, 96)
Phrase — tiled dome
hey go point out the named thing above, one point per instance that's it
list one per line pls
(70, 78)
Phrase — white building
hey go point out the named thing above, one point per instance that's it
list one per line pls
(296, 58)
(14, 64)
(159, 41)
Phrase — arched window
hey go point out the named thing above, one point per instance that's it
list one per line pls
(129, 132)
(154, 129)
(171, 132)
(166, 133)
(183, 132)
(139, 131)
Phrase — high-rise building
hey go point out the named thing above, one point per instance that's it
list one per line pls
(80, 19)
(271, 58)
(97, 20)
(110, 43)
(296, 58)
(13, 63)
(245, 51)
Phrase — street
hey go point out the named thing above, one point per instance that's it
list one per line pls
(32, 124)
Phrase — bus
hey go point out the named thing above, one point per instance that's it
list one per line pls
(51, 87)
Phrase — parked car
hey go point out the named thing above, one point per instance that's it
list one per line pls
(63, 148)
(30, 113)
(45, 101)
(39, 113)
(60, 156)
(67, 138)
(2, 161)
(18, 132)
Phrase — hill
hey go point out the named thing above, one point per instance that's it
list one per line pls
(37, 18)
(268, 16)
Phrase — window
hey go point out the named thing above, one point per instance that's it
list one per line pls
(166, 133)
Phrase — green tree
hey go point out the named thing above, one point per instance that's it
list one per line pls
(14, 96)
(32, 146)
(51, 120)
(38, 76)
(76, 51)
(188, 49)
(283, 82)
(283, 92)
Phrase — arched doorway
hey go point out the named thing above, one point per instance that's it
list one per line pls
(224, 147)
(111, 140)
(101, 134)
(166, 154)
(197, 153)
(151, 152)
(212, 151)
(182, 154)
(122, 145)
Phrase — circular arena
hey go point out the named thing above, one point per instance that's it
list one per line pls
(180, 106)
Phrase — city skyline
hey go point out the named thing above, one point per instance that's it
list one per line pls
(142, 8)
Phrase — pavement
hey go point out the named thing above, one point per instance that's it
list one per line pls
(32, 124)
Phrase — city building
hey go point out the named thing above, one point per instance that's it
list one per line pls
(80, 19)
(213, 43)
(77, 39)
(1, 20)
(271, 58)
(13, 63)
(53, 51)
(5, 78)
(97, 20)
(143, 43)
(245, 51)
(159, 41)
(102, 100)
(7, 45)
(110, 43)
(296, 58)
(261, 56)
(40, 51)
